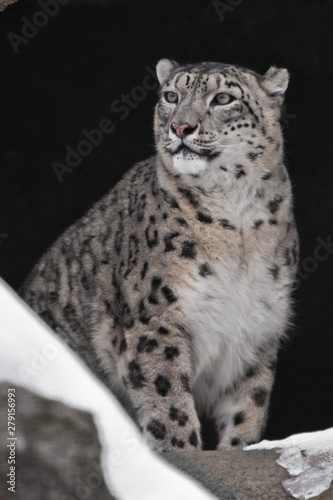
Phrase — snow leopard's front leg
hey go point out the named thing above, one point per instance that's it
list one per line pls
(241, 412)
(155, 366)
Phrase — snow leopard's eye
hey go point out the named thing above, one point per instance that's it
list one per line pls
(222, 99)
(171, 97)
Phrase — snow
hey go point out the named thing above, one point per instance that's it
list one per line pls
(33, 357)
(308, 457)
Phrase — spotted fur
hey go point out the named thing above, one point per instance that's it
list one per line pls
(176, 287)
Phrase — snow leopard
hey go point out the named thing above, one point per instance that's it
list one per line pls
(176, 287)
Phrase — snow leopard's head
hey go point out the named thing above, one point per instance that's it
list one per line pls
(214, 118)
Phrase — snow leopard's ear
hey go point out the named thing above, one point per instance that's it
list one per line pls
(164, 69)
(275, 82)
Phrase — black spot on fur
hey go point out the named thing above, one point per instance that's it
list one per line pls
(275, 271)
(157, 429)
(251, 371)
(240, 171)
(273, 222)
(177, 443)
(239, 418)
(163, 331)
(168, 294)
(179, 416)
(152, 299)
(235, 442)
(169, 247)
(141, 208)
(226, 224)
(143, 315)
(144, 270)
(189, 196)
(273, 205)
(287, 257)
(151, 237)
(162, 385)
(146, 345)
(193, 439)
(258, 223)
(48, 317)
(206, 219)
(267, 176)
(259, 396)
(171, 352)
(260, 193)
(69, 313)
(156, 282)
(182, 221)
(123, 346)
(85, 282)
(127, 317)
(189, 250)
(252, 155)
(170, 199)
(53, 296)
(205, 270)
(173, 413)
(135, 375)
(185, 383)
(108, 306)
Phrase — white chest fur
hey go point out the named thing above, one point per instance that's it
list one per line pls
(237, 308)
(231, 315)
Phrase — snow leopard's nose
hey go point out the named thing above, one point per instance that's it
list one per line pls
(182, 129)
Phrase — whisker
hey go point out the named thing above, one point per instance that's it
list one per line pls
(226, 146)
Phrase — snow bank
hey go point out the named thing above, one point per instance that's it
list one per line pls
(308, 458)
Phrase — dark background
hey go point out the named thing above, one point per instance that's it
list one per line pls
(66, 77)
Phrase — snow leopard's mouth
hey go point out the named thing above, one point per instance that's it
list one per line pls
(189, 153)
(186, 152)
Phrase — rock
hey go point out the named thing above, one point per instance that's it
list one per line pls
(57, 450)
(235, 474)
(246, 475)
